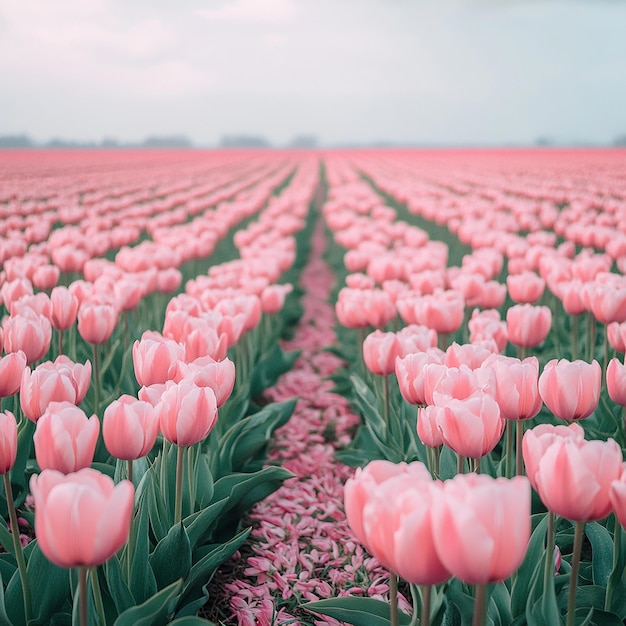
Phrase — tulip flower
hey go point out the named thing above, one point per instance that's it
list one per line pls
(29, 332)
(616, 381)
(11, 368)
(410, 373)
(525, 288)
(65, 439)
(155, 359)
(206, 372)
(528, 325)
(571, 390)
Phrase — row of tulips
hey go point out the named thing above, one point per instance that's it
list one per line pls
(156, 484)
(474, 402)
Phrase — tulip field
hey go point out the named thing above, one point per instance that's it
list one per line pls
(369, 387)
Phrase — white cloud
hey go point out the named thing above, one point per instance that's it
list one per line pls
(252, 11)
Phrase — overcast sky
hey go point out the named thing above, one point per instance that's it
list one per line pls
(348, 71)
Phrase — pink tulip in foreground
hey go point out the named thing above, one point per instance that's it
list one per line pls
(571, 389)
(360, 489)
(398, 525)
(574, 477)
(11, 368)
(129, 428)
(96, 321)
(187, 413)
(206, 372)
(58, 381)
(482, 526)
(537, 440)
(155, 359)
(410, 373)
(82, 519)
(8, 441)
(65, 439)
(528, 325)
(616, 381)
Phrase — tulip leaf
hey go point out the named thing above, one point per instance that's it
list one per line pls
(270, 367)
(118, 589)
(191, 620)
(6, 539)
(200, 523)
(247, 440)
(203, 481)
(601, 552)
(245, 490)
(530, 569)
(25, 432)
(4, 618)
(171, 558)
(211, 557)
(356, 611)
(48, 582)
(142, 580)
(7, 565)
(154, 611)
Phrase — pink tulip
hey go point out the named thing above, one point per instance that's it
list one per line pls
(46, 276)
(397, 521)
(360, 489)
(482, 526)
(348, 309)
(38, 303)
(155, 359)
(201, 341)
(571, 390)
(206, 372)
(380, 351)
(471, 355)
(168, 280)
(273, 298)
(128, 293)
(492, 295)
(471, 427)
(65, 439)
(616, 334)
(96, 321)
(8, 441)
(83, 519)
(415, 338)
(410, 373)
(485, 325)
(428, 430)
(11, 367)
(525, 288)
(28, 332)
(129, 428)
(617, 494)
(61, 381)
(64, 308)
(517, 391)
(574, 477)
(537, 440)
(458, 383)
(616, 381)
(528, 325)
(442, 311)
(609, 304)
(187, 413)
(571, 294)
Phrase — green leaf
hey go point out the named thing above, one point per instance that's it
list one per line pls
(356, 611)
(270, 367)
(191, 621)
(249, 438)
(4, 618)
(142, 581)
(171, 558)
(530, 568)
(198, 524)
(601, 552)
(50, 588)
(245, 490)
(25, 432)
(154, 611)
(6, 539)
(203, 482)
(118, 590)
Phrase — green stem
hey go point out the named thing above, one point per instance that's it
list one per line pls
(180, 468)
(386, 392)
(548, 572)
(437, 455)
(191, 457)
(425, 618)
(480, 605)
(82, 596)
(393, 599)
(606, 355)
(60, 344)
(508, 468)
(17, 547)
(617, 547)
(96, 379)
(519, 436)
(573, 581)
(575, 333)
(477, 465)
(97, 595)
(460, 464)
